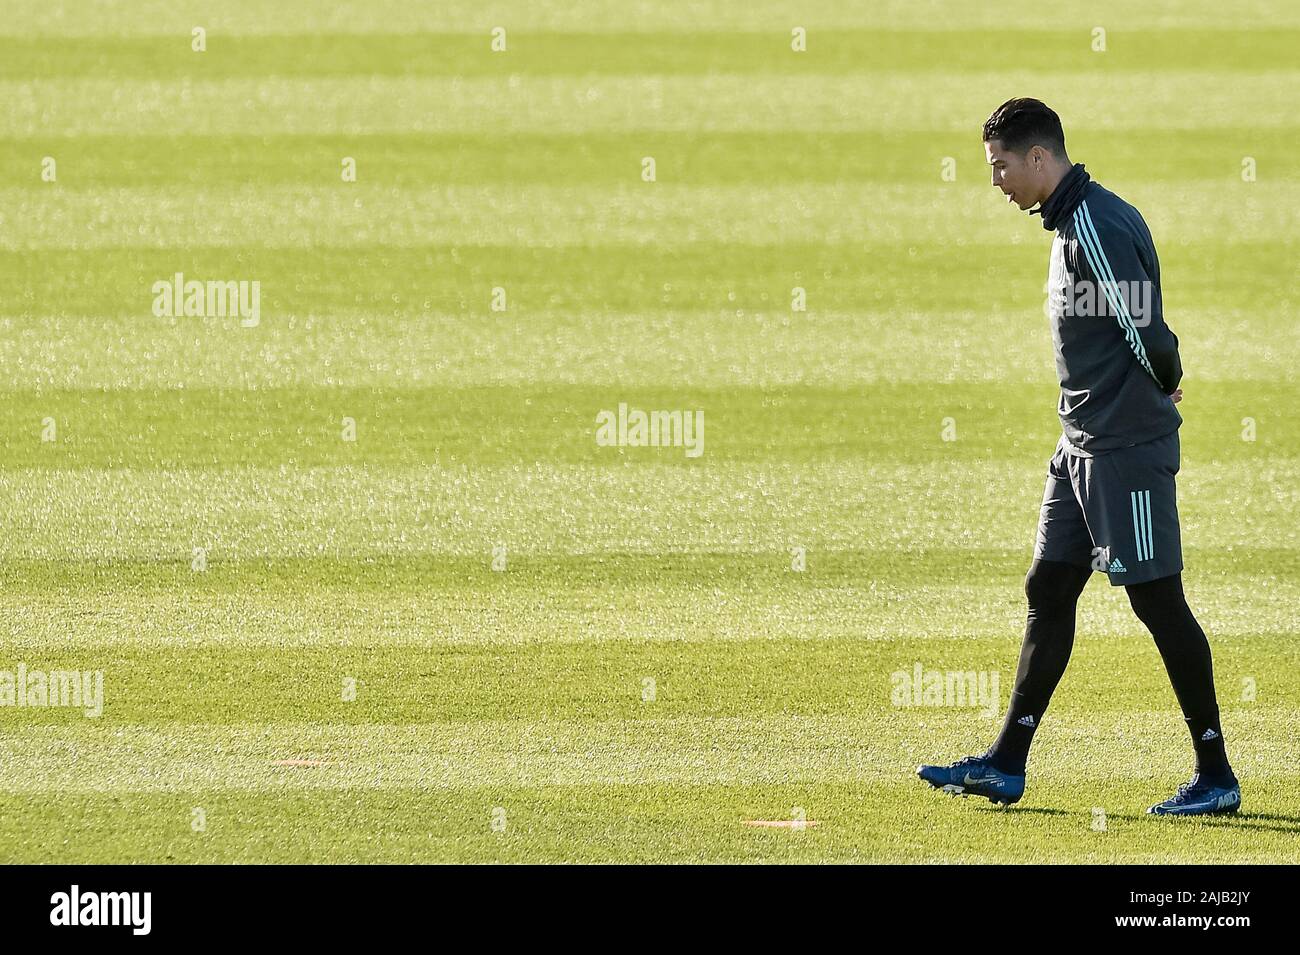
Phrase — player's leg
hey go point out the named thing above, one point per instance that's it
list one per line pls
(1062, 555)
(1131, 499)
(1052, 589)
(1162, 606)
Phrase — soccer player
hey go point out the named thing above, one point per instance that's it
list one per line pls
(1109, 503)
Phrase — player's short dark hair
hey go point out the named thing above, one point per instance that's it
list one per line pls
(1023, 123)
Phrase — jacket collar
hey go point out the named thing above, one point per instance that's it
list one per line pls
(1065, 198)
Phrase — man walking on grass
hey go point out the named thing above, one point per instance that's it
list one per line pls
(1109, 504)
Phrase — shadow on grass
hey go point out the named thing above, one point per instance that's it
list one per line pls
(1034, 810)
(1242, 820)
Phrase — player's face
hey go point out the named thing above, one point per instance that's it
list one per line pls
(1013, 175)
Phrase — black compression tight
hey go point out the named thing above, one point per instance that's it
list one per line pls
(1052, 589)
(1162, 606)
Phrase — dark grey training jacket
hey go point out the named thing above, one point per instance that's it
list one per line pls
(1116, 358)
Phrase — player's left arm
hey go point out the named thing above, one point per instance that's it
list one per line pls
(1110, 252)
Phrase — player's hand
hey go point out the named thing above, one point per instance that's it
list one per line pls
(1177, 395)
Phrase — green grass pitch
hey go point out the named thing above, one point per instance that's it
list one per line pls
(475, 634)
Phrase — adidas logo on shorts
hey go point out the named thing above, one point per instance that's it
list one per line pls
(1117, 568)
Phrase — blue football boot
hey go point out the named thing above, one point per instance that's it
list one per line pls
(975, 776)
(1196, 798)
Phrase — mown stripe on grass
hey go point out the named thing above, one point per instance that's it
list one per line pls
(249, 17)
(540, 683)
(677, 53)
(766, 347)
(863, 820)
(663, 213)
(556, 424)
(1115, 102)
(598, 157)
(440, 600)
(532, 510)
(1133, 745)
(384, 286)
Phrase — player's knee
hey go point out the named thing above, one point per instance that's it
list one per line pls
(1157, 598)
(1050, 585)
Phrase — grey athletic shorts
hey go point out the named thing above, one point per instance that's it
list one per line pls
(1116, 512)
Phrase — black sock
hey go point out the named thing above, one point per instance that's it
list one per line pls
(1207, 740)
(1161, 605)
(1011, 749)
(1052, 589)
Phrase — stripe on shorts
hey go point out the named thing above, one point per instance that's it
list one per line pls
(1140, 501)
